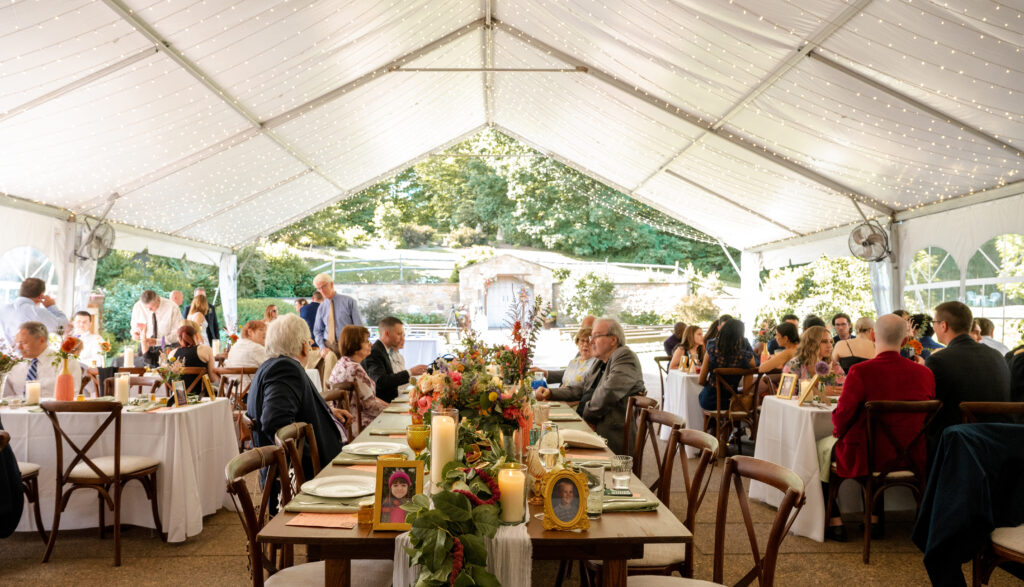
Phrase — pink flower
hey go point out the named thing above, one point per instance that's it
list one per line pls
(456, 378)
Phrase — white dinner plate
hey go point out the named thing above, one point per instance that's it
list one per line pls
(374, 449)
(340, 486)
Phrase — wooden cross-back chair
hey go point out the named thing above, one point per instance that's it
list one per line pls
(297, 438)
(724, 417)
(235, 383)
(647, 430)
(133, 370)
(972, 412)
(662, 362)
(634, 404)
(342, 395)
(107, 475)
(197, 383)
(142, 385)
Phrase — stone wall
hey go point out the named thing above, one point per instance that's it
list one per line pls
(422, 298)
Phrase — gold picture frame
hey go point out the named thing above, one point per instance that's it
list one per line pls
(178, 392)
(807, 391)
(787, 385)
(569, 512)
(208, 386)
(386, 507)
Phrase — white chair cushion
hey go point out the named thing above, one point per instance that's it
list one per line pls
(27, 469)
(1009, 538)
(366, 573)
(129, 464)
(662, 581)
(657, 555)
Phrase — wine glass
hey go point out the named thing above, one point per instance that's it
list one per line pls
(416, 435)
(548, 448)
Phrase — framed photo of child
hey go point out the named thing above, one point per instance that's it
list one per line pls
(398, 480)
(787, 385)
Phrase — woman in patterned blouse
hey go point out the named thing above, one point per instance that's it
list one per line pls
(354, 344)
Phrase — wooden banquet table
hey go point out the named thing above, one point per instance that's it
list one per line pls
(614, 538)
(193, 445)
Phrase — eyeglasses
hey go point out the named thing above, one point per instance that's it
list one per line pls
(594, 337)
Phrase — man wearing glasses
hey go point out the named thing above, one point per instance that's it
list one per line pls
(336, 312)
(602, 395)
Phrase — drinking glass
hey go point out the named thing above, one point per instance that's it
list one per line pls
(549, 446)
(541, 412)
(595, 484)
(621, 468)
(416, 435)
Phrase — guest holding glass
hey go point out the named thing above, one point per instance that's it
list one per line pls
(691, 347)
(857, 349)
(31, 305)
(815, 346)
(787, 340)
(354, 344)
(579, 365)
(728, 350)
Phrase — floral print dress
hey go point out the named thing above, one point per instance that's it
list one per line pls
(370, 406)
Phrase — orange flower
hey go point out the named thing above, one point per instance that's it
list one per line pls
(916, 345)
(70, 345)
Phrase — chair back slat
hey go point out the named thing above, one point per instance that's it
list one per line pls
(634, 403)
(297, 438)
(198, 372)
(242, 377)
(878, 421)
(662, 362)
(343, 395)
(133, 370)
(649, 417)
(254, 519)
(971, 412)
(52, 408)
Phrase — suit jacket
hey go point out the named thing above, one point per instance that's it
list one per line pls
(378, 366)
(605, 409)
(12, 500)
(281, 394)
(886, 377)
(1016, 363)
(308, 313)
(966, 371)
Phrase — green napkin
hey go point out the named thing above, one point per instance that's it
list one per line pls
(629, 506)
(386, 430)
(564, 417)
(345, 458)
(145, 406)
(35, 410)
(323, 505)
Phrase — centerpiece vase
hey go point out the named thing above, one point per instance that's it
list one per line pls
(65, 391)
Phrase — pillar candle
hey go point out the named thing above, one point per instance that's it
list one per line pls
(512, 484)
(442, 446)
(121, 387)
(32, 389)
(129, 357)
(216, 346)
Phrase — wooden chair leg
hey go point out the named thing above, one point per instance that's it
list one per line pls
(32, 491)
(117, 525)
(103, 514)
(151, 490)
(562, 570)
(868, 503)
(57, 509)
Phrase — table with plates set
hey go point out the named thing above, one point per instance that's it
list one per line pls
(682, 391)
(613, 538)
(192, 443)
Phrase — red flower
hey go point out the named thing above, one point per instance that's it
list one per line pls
(70, 345)
(456, 378)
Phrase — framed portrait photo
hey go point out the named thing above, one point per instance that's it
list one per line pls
(565, 501)
(787, 385)
(180, 399)
(398, 480)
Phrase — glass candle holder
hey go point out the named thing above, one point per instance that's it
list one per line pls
(512, 479)
(444, 434)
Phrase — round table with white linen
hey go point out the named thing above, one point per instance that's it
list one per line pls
(193, 445)
(682, 392)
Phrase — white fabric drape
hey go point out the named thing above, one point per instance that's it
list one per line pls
(881, 285)
(63, 259)
(85, 278)
(229, 290)
(750, 287)
(509, 558)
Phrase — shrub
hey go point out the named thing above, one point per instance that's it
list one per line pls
(253, 309)
(416, 235)
(695, 309)
(591, 294)
(646, 318)
(117, 307)
(375, 309)
(417, 318)
(464, 237)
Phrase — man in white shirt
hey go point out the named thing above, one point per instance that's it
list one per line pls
(82, 323)
(248, 351)
(988, 328)
(31, 342)
(155, 318)
(26, 308)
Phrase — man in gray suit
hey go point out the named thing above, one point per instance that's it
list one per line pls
(603, 393)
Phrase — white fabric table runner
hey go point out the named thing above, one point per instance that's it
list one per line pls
(682, 392)
(509, 558)
(193, 444)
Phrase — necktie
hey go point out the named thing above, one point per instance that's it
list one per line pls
(154, 324)
(33, 370)
(331, 328)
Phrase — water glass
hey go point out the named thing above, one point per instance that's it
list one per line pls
(621, 468)
(541, 412)
(595, 485)
(549, 446)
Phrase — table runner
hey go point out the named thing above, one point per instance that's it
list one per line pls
(509, 558)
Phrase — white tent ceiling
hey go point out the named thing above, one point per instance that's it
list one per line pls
(752, 120)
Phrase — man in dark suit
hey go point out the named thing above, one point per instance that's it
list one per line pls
(965, 370)
(308, 312)
(385, 365)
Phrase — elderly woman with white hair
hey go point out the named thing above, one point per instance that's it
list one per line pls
(282, 393)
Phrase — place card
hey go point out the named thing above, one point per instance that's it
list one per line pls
(344, 521)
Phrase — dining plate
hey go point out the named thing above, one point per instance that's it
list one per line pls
(340, 486)
(374, 449)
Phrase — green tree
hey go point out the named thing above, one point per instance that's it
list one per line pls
(825, 287)
(588, 294)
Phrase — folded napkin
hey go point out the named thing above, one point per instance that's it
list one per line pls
(144, 407)
(35, 410)
(564, 417)
(629, 506)
(387, 430)
(345, 458)
(323, 505)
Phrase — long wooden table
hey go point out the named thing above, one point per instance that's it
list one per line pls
(614, 538)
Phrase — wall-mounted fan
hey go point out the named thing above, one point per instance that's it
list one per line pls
(96, 241)
(869, 242)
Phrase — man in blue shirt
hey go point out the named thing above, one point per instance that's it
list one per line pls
(336, 312)
(26, 309)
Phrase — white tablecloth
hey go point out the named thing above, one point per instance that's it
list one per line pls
(420, 351)
(193, 445)
(787, 435)
(681, 399)
(509, 558)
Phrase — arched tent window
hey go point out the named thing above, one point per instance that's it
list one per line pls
(20, 263)
(932, 278)
(995, 285)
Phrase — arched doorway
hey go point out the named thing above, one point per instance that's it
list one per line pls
(995, 286)
(20, 263)
(932, 278)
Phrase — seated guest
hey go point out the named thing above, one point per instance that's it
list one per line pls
(692, 347)
(773, 345)
(248, 351)
(1015, 361)
(603, 393)
(787, 339)
(815, 346)
(354, 344)
(922, 330)
(308, 311)
(965, 371)
(385, 365)
(270, 314)
(12, 496)
(579, 365)
(859, 348)
(887, 376)
(677, 337)
(31, 305)
(729, 350)
(39, 363)
(192, 354)
(975, 330)
(841, 324)
(810, 321)
(988, 328)
(282, 393)
(711, 334)
(82, 322)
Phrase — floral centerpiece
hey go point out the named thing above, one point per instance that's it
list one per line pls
(69, 347)
(8, 359)
(766, 333)
(912, 348)
(170, 370)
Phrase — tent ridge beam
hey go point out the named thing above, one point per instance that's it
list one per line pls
(730, 201)
(817, 56)
(489, 70)
(80, 82)
(488, 55)
(680, 113)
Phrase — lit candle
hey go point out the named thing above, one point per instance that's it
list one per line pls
(32, 389)
(129, 357)
(442, 444)
(512, 485)
(121, 388)
(216, 346)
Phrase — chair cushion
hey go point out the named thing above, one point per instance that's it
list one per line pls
(1009, 538)
(662, 581)
(656, 555)
(28, 469)
(897, 474)
(367, 573)
(129, 464)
